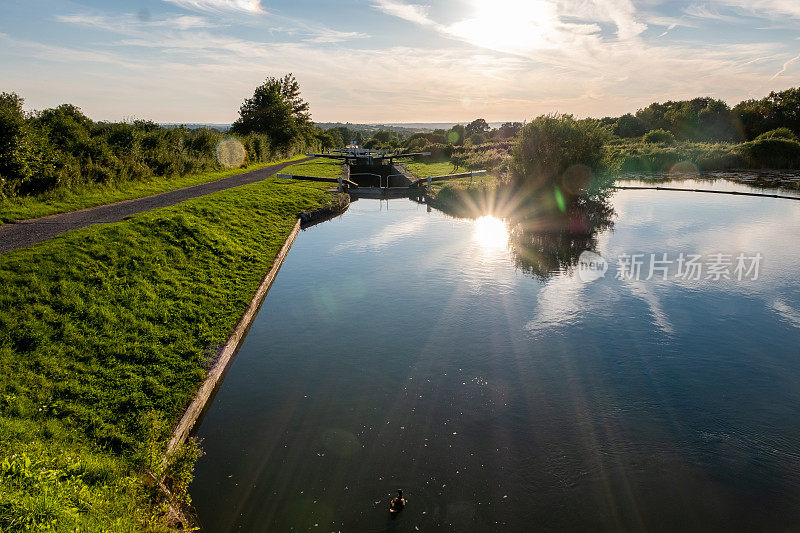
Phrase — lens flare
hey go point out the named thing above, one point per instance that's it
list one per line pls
(230, 153)
(491, 233)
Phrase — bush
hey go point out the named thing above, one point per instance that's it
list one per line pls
(659, 137)
(778, 133)
(547, 146)
(771, 153)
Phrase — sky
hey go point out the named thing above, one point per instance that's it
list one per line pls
(394, 60)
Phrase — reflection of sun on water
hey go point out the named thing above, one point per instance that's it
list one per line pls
(491, 233)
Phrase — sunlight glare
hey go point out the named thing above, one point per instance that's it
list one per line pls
(509, 25)
(491, 233)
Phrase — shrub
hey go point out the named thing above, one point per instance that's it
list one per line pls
(550, 144)
(778, 133)
(771, 153)
(659, 137)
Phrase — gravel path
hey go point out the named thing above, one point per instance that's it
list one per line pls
(27, 232)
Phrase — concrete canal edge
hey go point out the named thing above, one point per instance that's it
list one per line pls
(227, 352)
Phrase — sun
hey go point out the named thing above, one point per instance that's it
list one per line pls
(515, 26)
(491, 233)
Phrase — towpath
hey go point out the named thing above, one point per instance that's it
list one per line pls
(27, 232)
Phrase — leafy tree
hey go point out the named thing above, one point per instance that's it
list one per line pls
(290, 90)
(509, 129)
(478, 125)
(383, 136)
(14, 145)
(698, 119)
(330, 139)
(628, 126)
(270, 112)
(779, 109)
(456, 135)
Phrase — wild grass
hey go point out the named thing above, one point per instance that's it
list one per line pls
(63, 199)
(104, 329)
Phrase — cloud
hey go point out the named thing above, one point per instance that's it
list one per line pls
(785, 67)
(771, 9)
(218, 6)
(127, 24)
(709, 13)
(326, 35)
(410, 12)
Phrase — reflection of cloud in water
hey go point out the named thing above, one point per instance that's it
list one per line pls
(641, 290)
(561, 303)
(389, 235)
(786, 312)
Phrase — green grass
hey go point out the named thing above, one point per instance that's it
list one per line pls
(63, 200)
(319, 168)
(104, 326)
(428, 169)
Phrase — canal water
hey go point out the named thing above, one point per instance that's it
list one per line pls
(479, 366)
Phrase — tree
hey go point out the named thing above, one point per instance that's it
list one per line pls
(509, 129)
(699, 119)
(290, 90)
(478, 125)
(269, 111)
(779, 109)
(456, 135)
(628, 126)
(14, 145)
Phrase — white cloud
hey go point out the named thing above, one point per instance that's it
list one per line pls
(127, 24)
(242, 6)
(710, 13)
(766, 8)
(411, 12)
(785, 67)
(326, 35)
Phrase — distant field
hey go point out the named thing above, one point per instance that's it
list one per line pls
(64, 200)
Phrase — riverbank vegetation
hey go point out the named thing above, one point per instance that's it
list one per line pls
(61, 200)
(60, 152)
(105, 333)
(703, 132)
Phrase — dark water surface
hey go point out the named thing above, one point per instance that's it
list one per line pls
(401, 348)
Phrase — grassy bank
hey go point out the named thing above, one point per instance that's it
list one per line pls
(320, 168)
(462, 196)
(62, 200)
(105, 333)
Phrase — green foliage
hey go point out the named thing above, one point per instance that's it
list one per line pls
(63, 199)
(697, 119)
(777, 110)
(550, 144)
(478, 126)
(61, 149)
(507, 130)
(104, 325)
(456, 135)
(772, 152)
(778, 133)
(277, 110)
(628, 126)
(659, 137)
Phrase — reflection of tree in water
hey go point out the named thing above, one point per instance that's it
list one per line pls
(545, 242)
(548, 227)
